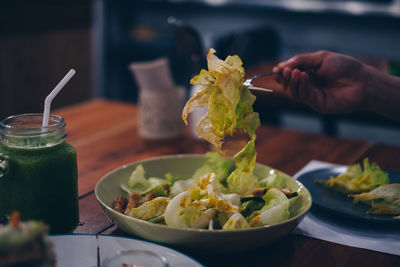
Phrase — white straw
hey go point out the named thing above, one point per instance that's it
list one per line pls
(50, 97)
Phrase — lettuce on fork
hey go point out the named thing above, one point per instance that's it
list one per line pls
(229, 110)
(220, 90)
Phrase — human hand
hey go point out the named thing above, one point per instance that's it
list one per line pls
(326, 81)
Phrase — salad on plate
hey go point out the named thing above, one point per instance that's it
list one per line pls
(367, 184)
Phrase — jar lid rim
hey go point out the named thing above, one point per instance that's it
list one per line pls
(56, 119)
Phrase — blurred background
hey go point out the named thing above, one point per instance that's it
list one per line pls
(41, 40)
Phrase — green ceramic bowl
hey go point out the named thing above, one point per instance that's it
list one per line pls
(108, 188)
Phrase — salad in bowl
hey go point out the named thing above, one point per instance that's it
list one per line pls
(176, 198)
(206, 237)
(204, 201)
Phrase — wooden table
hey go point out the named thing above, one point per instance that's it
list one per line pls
(105, 135)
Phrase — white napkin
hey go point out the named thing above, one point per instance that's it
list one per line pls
(153, 75)
(376, 237)
(160, 100)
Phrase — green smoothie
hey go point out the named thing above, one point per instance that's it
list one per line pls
(40, 181)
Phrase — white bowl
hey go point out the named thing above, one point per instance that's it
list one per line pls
(108, 188)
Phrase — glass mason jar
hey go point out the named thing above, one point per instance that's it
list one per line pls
(38, 172)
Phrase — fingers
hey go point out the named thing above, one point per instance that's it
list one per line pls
(294, 77)
(303, 62)
(299, 86)
(296, 81)
(292, 88)
(290, 81)
(284, 69)
(304, 91)
(278, 77)
(284, 77)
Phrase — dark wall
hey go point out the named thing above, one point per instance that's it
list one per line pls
(39, 42)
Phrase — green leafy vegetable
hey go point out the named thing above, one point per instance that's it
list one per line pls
(137, 181)
(150, 209)
(274, 179)
(229, 110)
(275, 210)
(171, 179)
(160, 191)
(236, 221)
(356, 180)
(186, 212)
(384, 199)
(217, 164)
(249, 207)
(180, 186)
(242, 180)
(220, 90)
(140, 184)
(221, 218)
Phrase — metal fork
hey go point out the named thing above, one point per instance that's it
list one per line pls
(250, 86)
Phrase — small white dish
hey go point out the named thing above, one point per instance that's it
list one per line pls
(81, 250)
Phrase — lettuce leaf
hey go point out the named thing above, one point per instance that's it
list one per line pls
(384, 199)
(249, 207)
(247, 120)
(229, 102)
(356, 179)
(137, 181)
(273, 197)
(229, 110)
(196, 207)
(140, 184)
(242, 180)
(185, 212)
(150, 209)
(180, 186)
(217, 164)
(236, 221)
(275, 210)
(274, 179)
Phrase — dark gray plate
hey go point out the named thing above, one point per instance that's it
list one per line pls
(339, 203)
